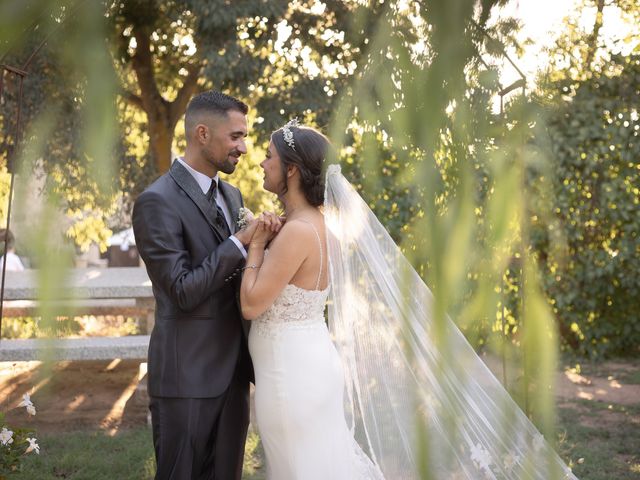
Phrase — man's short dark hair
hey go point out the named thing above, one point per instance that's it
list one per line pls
(214, 102)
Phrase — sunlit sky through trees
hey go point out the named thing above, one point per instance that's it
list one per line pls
(542, 21)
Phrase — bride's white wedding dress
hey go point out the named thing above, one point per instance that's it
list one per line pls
(422, 402)
(300, 390)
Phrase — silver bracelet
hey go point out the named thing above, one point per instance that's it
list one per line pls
(251, 266)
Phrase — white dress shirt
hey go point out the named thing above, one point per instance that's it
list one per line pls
(204, 182)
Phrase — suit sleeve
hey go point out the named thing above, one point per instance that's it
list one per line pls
(158, 231)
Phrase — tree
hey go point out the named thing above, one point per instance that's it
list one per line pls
(68, 111)
(425, 138)
(270, 53)
(591, 276)
(424, 131)
(284, 58)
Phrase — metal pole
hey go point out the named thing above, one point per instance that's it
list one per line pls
(11, 168)
(21, 73)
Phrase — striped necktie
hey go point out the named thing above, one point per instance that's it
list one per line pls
(211, 197)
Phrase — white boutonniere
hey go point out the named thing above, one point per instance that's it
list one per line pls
(244, 217)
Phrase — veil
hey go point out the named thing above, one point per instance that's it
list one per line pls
(420, 408)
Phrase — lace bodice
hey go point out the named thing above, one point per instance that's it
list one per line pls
(295, 307)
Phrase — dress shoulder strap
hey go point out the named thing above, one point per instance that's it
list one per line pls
(320, 246)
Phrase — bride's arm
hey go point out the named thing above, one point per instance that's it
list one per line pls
(265, 277)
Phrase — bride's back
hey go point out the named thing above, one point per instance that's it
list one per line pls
(313, 272)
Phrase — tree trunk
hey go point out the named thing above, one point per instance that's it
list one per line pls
(593, 38)
(160, 140)
(162, 115)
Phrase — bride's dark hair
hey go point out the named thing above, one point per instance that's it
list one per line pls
(311, 149)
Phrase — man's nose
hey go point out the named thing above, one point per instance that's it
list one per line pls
(242, 147)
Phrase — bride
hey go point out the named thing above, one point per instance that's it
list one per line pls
(299, 375)
(379, 397)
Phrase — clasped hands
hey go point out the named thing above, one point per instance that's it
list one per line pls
(260, 230)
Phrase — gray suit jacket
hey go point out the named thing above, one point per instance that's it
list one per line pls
(198, 339)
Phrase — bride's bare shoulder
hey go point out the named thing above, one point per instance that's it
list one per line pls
(295, 235)
(296, 229)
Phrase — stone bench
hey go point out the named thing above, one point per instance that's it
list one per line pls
(84, 283)
(86, 348)
(96, 291)
(127, 307)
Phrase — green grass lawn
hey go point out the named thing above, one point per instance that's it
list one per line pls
(609, 443)
(606, 437)
(96, 456)
(600, 441)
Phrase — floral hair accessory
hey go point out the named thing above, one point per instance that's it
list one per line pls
(288, 134)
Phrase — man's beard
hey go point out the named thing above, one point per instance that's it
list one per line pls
(228, 166)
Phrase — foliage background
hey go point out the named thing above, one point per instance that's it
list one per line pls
(524, 222)
(486, 204)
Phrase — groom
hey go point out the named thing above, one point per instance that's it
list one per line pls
(199, 365)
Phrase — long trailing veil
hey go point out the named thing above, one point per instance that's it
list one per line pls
(421, 408)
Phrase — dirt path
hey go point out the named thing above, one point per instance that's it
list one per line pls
(101, 394)
(610, 383)
(79, 395)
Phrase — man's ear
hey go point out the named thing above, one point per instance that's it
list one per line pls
(202, 133)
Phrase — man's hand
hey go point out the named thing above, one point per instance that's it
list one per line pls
(244, 234)
(266, 222)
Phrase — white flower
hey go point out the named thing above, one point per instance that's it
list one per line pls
(481, 457)
(538, 442)
(244, 216)
(33, 446)
(26, 402)
(6, 436)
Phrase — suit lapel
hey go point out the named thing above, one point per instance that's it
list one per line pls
(189, 185)
(233, 202)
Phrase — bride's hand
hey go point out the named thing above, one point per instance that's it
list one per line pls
(269, 225)
(273, 221)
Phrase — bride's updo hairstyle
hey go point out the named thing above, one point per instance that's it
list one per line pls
(306, 148)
